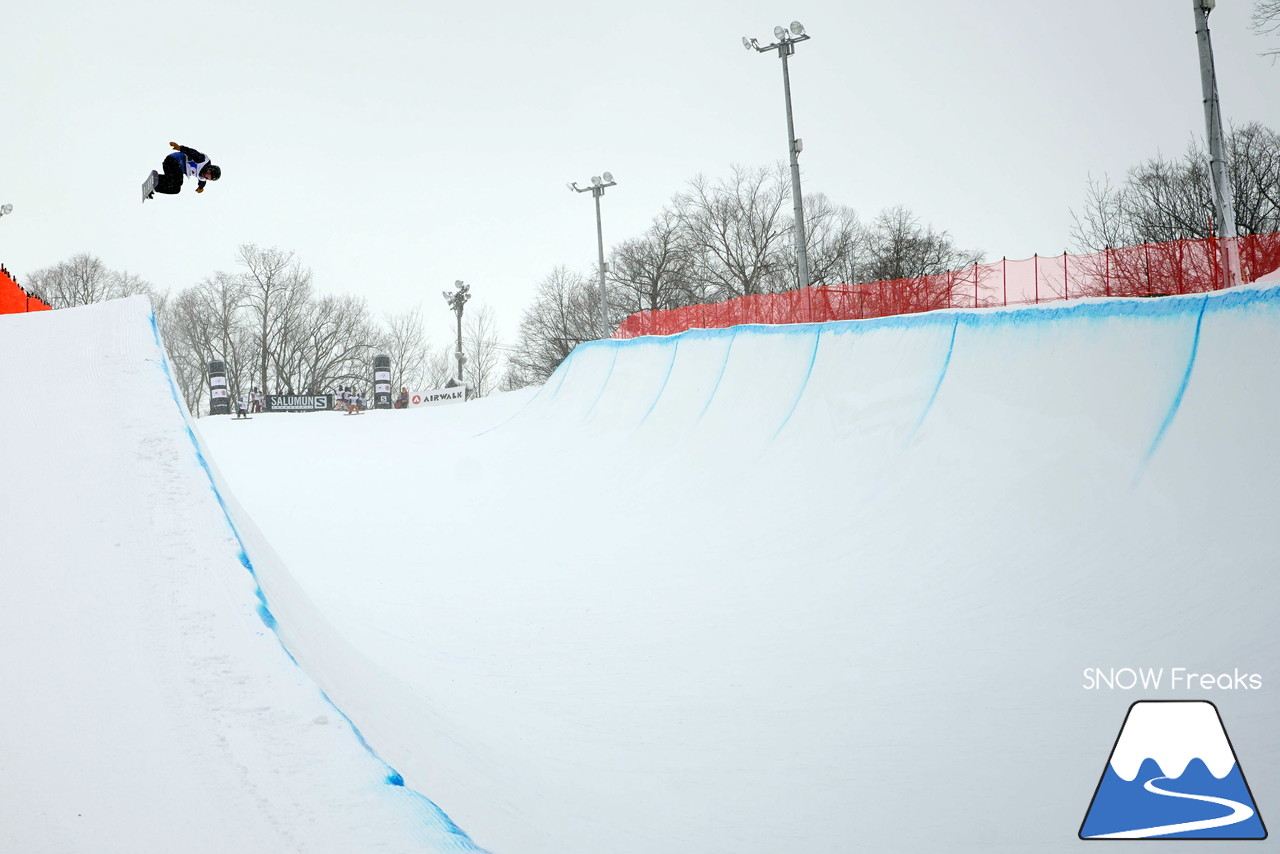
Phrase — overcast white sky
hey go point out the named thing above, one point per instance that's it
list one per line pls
(398, 146)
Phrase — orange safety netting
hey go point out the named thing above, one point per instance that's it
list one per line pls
(1153, 269)
(14, 299)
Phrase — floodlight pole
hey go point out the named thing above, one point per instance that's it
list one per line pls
(596, 189)
(786, 46)
(457, 299)
(1222, 201)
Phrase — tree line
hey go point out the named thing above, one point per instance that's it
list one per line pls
(723, 238)
(274, 332)
(726, 238)
(718, 238)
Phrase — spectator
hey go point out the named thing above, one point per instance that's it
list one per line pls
(402, 402)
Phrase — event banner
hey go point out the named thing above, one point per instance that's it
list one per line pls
(299, 402)
(435, 397)
(219, 402)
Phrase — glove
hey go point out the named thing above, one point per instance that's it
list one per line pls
(199, 189)
(175, 146)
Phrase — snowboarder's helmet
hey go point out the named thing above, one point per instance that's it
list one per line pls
(212, 172)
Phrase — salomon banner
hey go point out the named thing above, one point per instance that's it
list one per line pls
(219, 398)
(435, 397)
(381, 382)
(299, 402)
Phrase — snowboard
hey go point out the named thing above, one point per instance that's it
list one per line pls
(150, 184)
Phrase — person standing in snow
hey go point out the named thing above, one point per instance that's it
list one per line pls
(184, 162)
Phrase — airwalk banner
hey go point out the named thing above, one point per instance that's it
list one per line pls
(435, 397)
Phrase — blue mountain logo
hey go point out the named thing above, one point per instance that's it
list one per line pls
(1172, 774)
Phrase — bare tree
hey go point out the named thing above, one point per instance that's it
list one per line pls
(655, 271)
(1253, 168)
(1163, 200)
(440, 366)
(274, 288)
(562, 316)
(405, 342)
(738, 231)
(899, 247)
(1266, 20)
(205, 323)
(837, 242)
(480, 344)
(83, 280)
(325, 342)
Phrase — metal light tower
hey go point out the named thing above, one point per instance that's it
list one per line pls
(457, 299)
(785, 46)
(1222, 202)
(598, 183)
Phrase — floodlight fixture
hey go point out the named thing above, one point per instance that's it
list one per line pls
(786, 47)
(457, 299)
(6, 209)
(598, 185)
(746, 42)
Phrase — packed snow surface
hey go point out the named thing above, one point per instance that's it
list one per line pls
(805, 588)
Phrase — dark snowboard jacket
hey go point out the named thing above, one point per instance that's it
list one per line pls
(192, 162)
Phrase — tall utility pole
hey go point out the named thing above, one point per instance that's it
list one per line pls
(457, 299)
(785, 46)
(1222, 201)
(598, 183)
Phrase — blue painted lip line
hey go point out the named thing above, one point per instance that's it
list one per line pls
(670, 365)
(392, 776)
(804, 384)
(724, 364)
(942, 375)
(561, 371)
(604, 384)
(1176, 404)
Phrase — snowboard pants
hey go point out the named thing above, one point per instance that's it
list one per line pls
(171, 181)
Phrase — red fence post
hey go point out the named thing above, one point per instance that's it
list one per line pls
(1146, 253)
(1180, 270)
(1066, 290)
(1004, 275)
(1106, 277)
(1037, 269)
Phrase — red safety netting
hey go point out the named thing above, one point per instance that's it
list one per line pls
(1153, 269)
(14, 299)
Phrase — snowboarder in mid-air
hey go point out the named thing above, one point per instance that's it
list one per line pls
(183, 162)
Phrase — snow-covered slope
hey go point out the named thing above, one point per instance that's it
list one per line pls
(799, 588)
(147, 704)
(767, 589)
